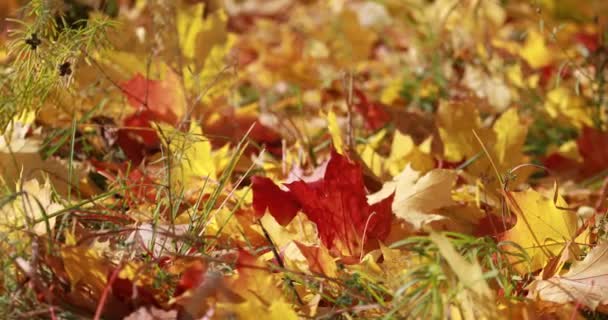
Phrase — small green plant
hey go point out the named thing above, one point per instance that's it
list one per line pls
(43, 52)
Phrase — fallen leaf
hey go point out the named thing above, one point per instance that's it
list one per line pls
(164, 99)
(335, 132)
(542, 228)
(478, 300)
(336, 204)
(456, 122)
(415, 197)
(585, 282)
(84, 265)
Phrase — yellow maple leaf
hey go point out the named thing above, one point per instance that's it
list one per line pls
(347, 40)
(31, 211)
(300, 229)
(542, 228)
(509, 135)
(215, 77)
(335, 132)
(563, 104)
(535, 50)
(404, 151)
(195, 161)
(260, 289)
(374, 161)
(84, 265)
(456, 122)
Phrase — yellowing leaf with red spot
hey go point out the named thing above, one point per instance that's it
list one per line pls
(542, 229)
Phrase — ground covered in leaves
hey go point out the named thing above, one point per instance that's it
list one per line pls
(287, 159)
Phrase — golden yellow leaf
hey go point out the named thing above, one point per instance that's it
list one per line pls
(563, 104)
(28, 211)
(335, 132)
(535, 50)
(404, 152)
(195, 161)
(348, 41)
(542, 229)
(85, 265)
(509, 134)
(456, 122)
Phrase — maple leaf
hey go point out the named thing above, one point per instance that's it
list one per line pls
(164, 99)
(404, 151)
(336, 203)
(85, 265)
(564, 105)
(280, 203)
(259, 287)
(416, 197)
(535, 50)
(299, 229)
(20, 156)
(506, 144)
(591, 146)
(584, 283)
(154, 101)
(30, 210)
(373, 112)
(195, 161)
(235, 124)
(456, 122)
(319, 260)
(542, 228)
(347, 39)
(334, 131)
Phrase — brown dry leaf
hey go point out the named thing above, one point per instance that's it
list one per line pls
(586, 282)
(20, 158)
(416, 197)
(152, 313)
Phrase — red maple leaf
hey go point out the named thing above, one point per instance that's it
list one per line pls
(593, 148)
(373, 112)
(154, 100)
(336, 203)
(156, 96)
